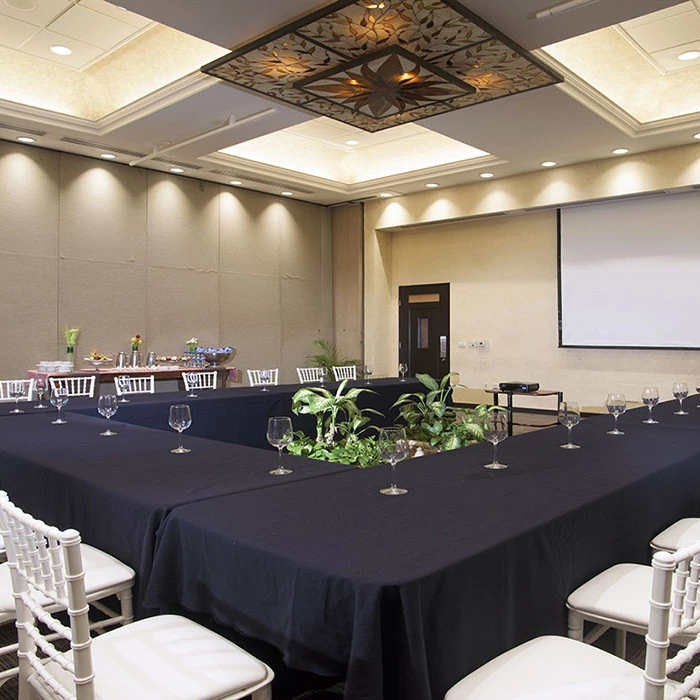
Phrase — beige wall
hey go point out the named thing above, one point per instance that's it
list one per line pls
(118, 251)
(503, 275)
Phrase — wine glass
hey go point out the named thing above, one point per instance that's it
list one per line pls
(324, 374)
(180, 418)
(59, 398)
(616, 405)
(569, 416)
(393, 447)
(650, 397)
(107, 406)
(368, 374)
(40, 388)
(680, 391)
(16, 390)
(697, 388)
(123, 382)
(403, 368)
(265, 378)
(192, 380)
(495, 431)
(279, 435)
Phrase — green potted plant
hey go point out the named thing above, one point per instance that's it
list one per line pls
(433, 423)
(329, 357)
(340, 426)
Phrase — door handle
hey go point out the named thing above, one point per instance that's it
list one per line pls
(443, 347)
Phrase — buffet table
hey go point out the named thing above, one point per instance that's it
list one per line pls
(402, 596)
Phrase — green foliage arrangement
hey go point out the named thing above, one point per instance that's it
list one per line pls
(329, 357)
(340, 425)
(430, 418)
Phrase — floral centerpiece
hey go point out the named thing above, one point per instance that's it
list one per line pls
(192, 344)
(136, 342)
(71, 335)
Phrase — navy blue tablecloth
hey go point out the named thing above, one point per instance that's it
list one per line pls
(239, 415)
(405, 595)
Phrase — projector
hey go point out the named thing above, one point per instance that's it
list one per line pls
(519, 386)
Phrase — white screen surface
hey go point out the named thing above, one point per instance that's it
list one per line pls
(630, 273)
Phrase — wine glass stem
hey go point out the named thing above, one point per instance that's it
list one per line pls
(179, 439)
(615, 425)
(495, 458)
(569, 427)
(680, 404)
(650, 409)
(393, 474)
(279, 457)
(16, 403)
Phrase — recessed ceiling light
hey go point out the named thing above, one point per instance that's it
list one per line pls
(696, 136)
(352, 142)
(688, 56)
(235, 182)
(26, 139)
(385, 194)
(287, 193)
(548, 164)
(620, 151)
(432, 184)
(177, 170)
(61, 50)
(108, 156)
(23, 5)
(486, 176)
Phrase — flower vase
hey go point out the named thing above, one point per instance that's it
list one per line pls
(135, 358)
(70, 353)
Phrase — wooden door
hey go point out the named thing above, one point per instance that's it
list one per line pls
(424, 329)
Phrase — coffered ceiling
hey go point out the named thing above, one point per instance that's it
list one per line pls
(133, 88)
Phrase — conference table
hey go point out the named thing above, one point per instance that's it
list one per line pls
(401, 596)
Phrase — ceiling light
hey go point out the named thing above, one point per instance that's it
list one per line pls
(177, 170)
(486, 176)
(376, 68)
(352, 142)
(287, 193)
(548, 164)
(235, 182)
(385, 194)
(61, 50)
(26, 139)
(108, 156)
(696, 136)
(22, 5)
(620, 151)
(432, 184)
(688, 56)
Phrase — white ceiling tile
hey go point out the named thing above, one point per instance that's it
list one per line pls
(668, 58)
(659, 14)
(115, 12)
(92, 27)
(40, 16)
(667, 32)
(14, 33)
(40, 45)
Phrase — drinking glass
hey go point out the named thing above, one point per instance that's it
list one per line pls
(16, 390)
(324, 374)
(107, 406)
(180, 418)
(569, 416)
(279, 435)
(616, 405)
(368, 373)
(192, 379)
(123, 382)
(403, 368)
(40, 388)
(393, 447)
(495, 431)
(59, 398)
(265, 378)
(697, 388)
(650, 397)
(680, 391)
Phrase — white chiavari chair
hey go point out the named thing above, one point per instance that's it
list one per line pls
(135, 385)
(681, 534)
(263, 377)
(105, 577)
(75, 386)
(27, 385)
(166, 656)
(199, 380)
(559, 667)
(345, 372)
(309, 375)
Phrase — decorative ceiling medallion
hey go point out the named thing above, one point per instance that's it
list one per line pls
(377, 65)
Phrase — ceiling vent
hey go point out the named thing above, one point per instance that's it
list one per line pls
(260, 181)
(22, 129)
(100, 146)
(178, 163)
